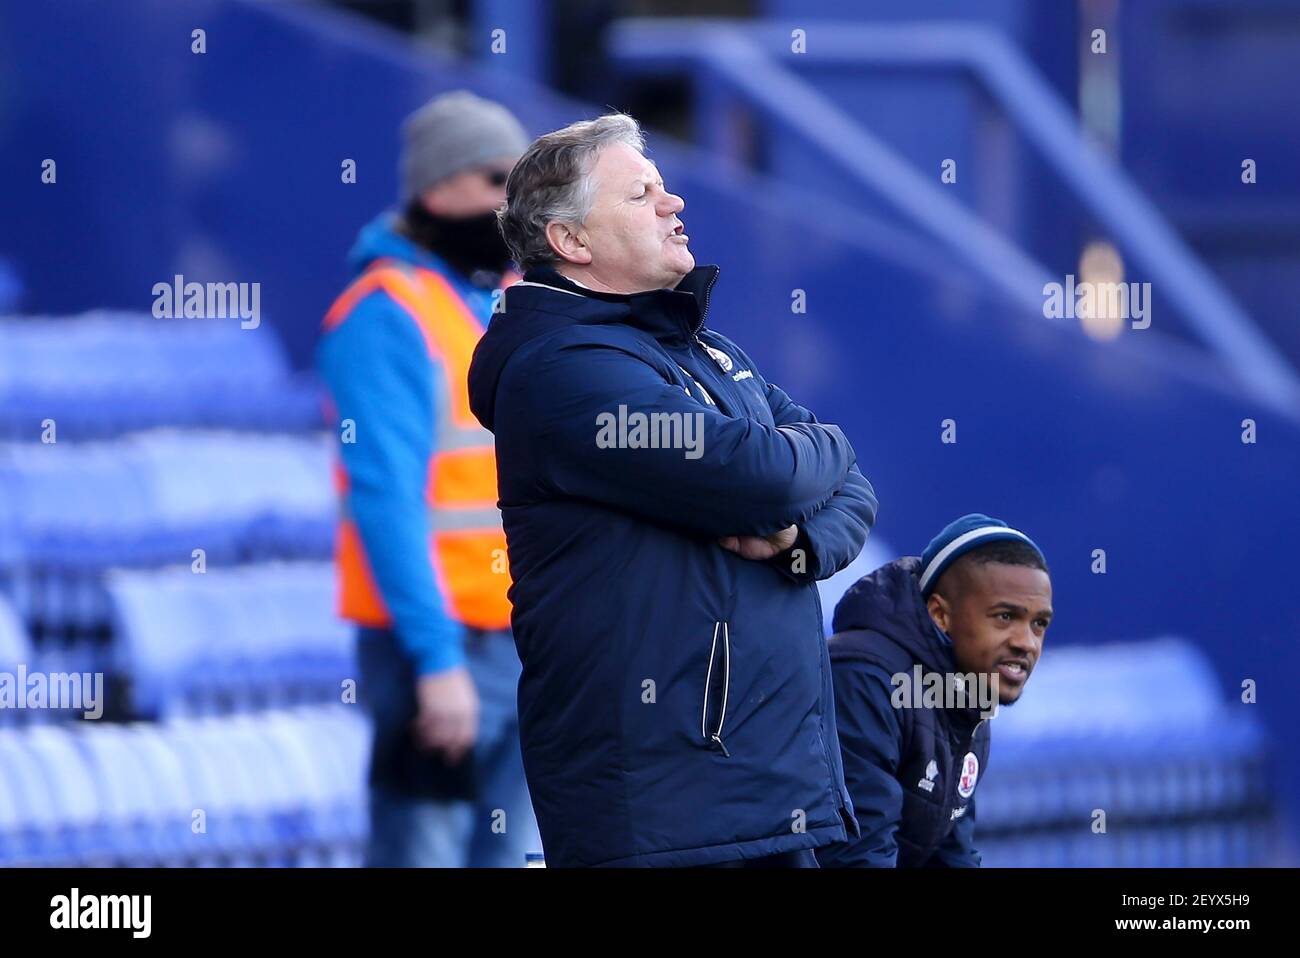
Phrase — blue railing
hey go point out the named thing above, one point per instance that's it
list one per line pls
(746, 60)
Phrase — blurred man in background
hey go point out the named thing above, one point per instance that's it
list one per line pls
(970, 613)
(420, 549)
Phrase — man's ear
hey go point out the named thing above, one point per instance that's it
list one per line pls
(939, 610)
(569, 243)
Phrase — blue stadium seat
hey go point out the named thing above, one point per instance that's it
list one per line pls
(38, 837)
(334, 740)
(278, 797)
(131, 808)
(236, 821)
(14, 645)
(11, 823)
(1139, 731)
(105, 373)
(268, 788)
(151, 498)
(259, 635)
(340, 739)
(74, 792)
(70, 511)
(217, 831)
(175, 800)
(284, 733)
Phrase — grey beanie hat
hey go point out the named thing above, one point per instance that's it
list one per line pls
(455, 132)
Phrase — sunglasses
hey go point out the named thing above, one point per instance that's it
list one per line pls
(496, 178)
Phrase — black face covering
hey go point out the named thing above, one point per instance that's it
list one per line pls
(473, 245)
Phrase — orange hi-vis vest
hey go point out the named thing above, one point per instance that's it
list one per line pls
(467, 545)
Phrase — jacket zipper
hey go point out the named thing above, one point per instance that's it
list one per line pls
(715, 736)
(704, 311)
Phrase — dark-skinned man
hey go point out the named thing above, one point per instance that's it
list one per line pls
(924, 650)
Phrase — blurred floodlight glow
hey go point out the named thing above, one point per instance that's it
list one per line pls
(1101, 265)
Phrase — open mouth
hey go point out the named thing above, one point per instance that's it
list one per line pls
(1013, 670)
(679, 232)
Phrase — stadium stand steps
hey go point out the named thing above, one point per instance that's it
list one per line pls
(106, 373)
(232, 639)
(1140, 732)
(251, 487)
(73, 511)
(279, 788)
(97, 532)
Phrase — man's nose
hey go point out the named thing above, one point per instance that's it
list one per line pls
(1025, 642)
(671, 204)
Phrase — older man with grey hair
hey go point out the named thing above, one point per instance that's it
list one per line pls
(667, 514)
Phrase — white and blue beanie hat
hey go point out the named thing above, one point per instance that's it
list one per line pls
(961, 536)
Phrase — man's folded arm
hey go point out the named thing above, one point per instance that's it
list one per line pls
(833, 536)
(719, 476)
(869, 736)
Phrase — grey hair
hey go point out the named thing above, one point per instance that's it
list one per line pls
(552, 183)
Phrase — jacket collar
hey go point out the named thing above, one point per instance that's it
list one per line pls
(676, 314)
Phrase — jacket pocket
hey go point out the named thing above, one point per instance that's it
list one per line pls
(717, 688)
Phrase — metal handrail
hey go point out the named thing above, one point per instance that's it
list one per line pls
(744, 57)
